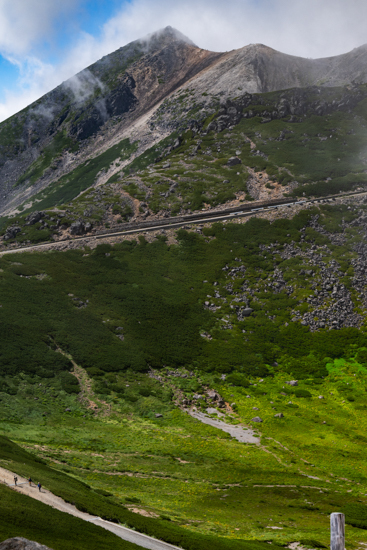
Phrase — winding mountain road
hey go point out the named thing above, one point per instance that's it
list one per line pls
(199, 218)
(58, 503)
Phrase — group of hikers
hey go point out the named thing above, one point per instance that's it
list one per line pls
(29, 481)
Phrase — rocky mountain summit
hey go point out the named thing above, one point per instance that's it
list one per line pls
(120, 97)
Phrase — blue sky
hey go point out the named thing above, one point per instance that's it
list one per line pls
(44, 42)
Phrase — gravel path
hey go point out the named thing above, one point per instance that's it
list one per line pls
(244, 435)
(58, 503)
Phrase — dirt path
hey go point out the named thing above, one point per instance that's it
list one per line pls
(244, 435)
(58, 503)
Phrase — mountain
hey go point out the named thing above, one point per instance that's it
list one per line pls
(206, 385)
(118, 97)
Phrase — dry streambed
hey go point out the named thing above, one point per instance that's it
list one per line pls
(244, 435)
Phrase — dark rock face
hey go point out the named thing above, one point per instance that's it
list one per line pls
(122, 99)
(19, 543)
(83, 129)
(90, 119)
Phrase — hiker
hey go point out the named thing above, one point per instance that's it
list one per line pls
(39, 486)
(30, 481)
(15, 480)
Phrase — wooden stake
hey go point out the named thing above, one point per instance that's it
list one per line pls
(337, 531)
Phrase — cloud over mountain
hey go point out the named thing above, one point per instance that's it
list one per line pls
(309, 29)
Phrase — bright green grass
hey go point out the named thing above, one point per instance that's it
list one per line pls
(98, 502)
(223, 487)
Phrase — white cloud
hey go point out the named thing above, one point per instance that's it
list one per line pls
(24, 23)
(316, 28)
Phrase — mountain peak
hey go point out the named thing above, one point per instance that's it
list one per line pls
(166, 36)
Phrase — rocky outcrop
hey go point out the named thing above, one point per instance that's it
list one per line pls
(293, 105)
(11, 232)
(34, 217)
(79, 228)
(91, 118)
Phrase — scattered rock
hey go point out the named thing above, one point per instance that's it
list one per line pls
(19, 543)
(292, 383)
(255, 409)
(279, 415)
(233, 161)
(159, 415)
(256, 419)
(67, 410)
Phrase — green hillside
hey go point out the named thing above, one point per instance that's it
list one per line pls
(97, 343)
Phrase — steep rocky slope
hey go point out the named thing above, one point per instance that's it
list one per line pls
(119, 98)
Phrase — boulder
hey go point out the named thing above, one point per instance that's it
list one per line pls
(279, 415)
(159, 415)
(34, 217)
(19, 543)
(77, 228)
(256, 419)
(244, 312)
(255, 408)
(11, 232)
(292, 383)
(233, 161)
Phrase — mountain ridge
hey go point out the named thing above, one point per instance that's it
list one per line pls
(92, 111)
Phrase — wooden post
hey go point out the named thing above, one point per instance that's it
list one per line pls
(337, 531)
